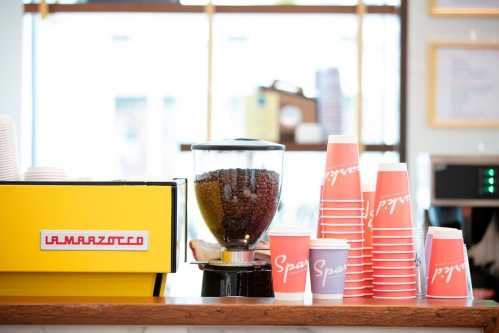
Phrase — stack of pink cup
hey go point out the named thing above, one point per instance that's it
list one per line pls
(341, 208)
(393, 253)
(447, 264)
(368, 191)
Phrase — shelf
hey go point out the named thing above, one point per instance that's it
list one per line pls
(247, 312)
(315, 147)
(177, 8)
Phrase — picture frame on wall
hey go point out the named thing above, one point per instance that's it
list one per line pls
(463, 7)
(463, 85)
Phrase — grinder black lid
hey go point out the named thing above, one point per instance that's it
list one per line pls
(238, 144)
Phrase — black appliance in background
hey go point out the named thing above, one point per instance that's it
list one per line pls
(464, 195)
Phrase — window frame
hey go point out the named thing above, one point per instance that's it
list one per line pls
(401, 11)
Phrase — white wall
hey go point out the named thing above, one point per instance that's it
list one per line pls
(424, 28)
(10, 57)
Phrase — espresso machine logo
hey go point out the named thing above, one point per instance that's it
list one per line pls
(94, 240)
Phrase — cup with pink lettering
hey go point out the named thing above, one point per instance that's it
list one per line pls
(429, 237)
(328, 259)
(393, 255)
(342, 178)
(402, 246)
(392, 203)
(447, 269)
(289, 250)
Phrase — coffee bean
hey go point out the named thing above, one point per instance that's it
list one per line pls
(238, 204)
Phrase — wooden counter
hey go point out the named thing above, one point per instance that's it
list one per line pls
(243, 312)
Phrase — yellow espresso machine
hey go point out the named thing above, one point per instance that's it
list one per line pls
(90, 238)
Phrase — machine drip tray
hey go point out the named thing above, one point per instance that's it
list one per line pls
(254, 281)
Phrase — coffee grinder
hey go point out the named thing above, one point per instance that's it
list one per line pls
(237, 185)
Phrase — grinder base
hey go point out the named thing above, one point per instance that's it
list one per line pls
(253, 281)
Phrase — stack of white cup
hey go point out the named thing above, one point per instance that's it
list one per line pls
(44, 174)
(8, 150)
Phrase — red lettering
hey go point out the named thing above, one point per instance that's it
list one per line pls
(110, 240)
(68, 240)
(89, 239)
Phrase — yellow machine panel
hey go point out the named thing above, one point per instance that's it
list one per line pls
(89, 238)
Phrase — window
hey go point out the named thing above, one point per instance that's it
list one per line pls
(112, 91)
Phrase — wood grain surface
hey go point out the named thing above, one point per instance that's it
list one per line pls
(244, 311)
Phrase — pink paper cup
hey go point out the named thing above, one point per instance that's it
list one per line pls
(392, 178)
(408, 278)
(356, 290)
(341, 149)
(355, 252)
(447, 269)
(394, 288)
(393, 247)
(393, 262)
(394, 232)
(343, 235)
(408, 255)
(342, 178)
(342, 212)
(393, 298)
(355, 294)
(354, 275)
(378, 265)
(352, 260)
(359, 279)
(392, 199)
(406, 293)
(356, 204)
(342, 187)
(367, 269)
(380, 285)
(368, 287)
(356, 244)
(392, 240)
(399, 270)
(354, 284)
(338, 220)
(351, 228)
(394, 278)
(359, 289)
(289, 248)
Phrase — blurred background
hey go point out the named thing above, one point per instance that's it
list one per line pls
(119, 89)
